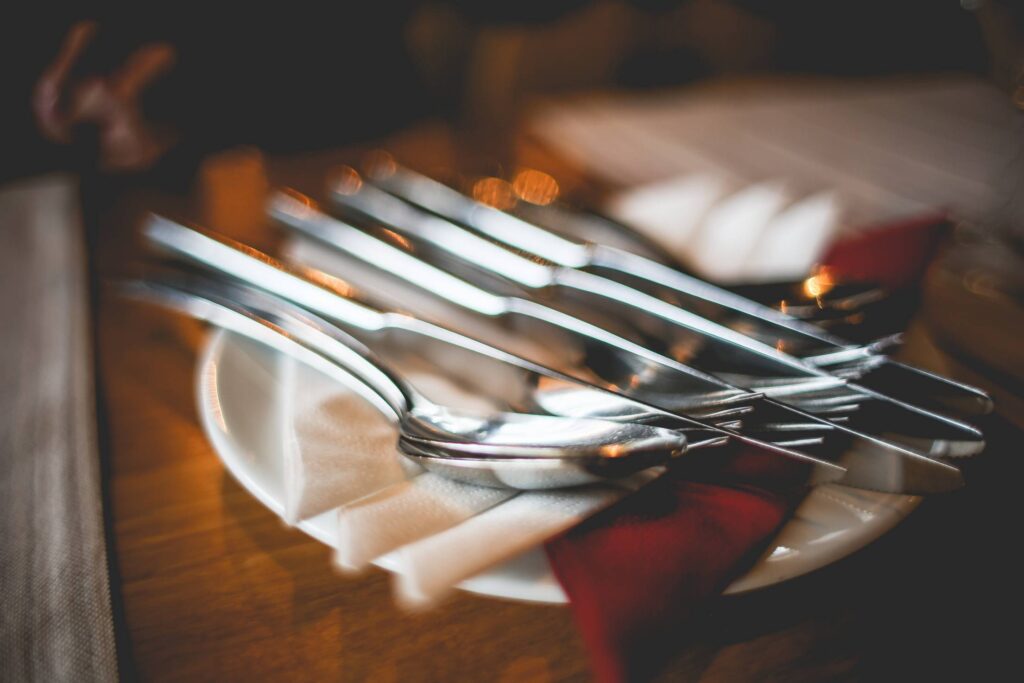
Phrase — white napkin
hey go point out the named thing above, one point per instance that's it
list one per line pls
(403, 513)
(795, 239)
(889, 148)
(758, 232)
(725, 241)
(671, 211)
(326, 462)
(340, 451)
(428, 569)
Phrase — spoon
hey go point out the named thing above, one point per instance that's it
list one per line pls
(532, 385)
(537, 387)
(507, 449)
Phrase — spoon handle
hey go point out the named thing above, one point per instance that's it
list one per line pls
(244, 264)
(280, 325)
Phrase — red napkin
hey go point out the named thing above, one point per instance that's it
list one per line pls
(894, 255)
(637, 573)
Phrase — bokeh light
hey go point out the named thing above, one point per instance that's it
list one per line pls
(535, 187)
(494, 192)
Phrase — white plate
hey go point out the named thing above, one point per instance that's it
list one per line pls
(239, 399)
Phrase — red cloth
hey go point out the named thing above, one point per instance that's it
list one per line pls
(894, 255)
(637, 573)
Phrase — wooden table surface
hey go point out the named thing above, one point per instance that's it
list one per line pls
(213, 586)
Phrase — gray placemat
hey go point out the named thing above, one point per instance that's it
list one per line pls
(55, 613)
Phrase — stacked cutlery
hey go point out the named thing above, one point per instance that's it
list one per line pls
(641, 344)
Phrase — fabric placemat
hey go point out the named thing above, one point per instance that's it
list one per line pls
(56, 623)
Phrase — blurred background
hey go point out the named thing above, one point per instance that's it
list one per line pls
(312, 77)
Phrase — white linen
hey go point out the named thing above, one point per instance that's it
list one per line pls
(850, 155)
(431, 531)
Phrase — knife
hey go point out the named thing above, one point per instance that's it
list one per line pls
(951, 437)
(866, 455)
(888, 376)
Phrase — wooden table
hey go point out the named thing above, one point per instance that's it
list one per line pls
(213, 586)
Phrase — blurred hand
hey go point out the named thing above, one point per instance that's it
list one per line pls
(110, 103)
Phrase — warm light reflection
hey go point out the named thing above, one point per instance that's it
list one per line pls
(684, 349)
(395, 238)
(330, 282)
(819, 284)
(855, 319)
(494, 192)
(213, 391)
(294, 194)
(613, 450)
(535, 187)
(345, 180)
(379, 164)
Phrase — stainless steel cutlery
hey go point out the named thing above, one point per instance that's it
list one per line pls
(628, 366)
(650, 364)
(497, 448)
(773, 327)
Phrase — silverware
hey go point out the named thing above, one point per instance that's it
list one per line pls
(622, 364)
(889, 377)
(824, 309)
(726, 348)
(507, 449)
(865, 455)
(500, 376)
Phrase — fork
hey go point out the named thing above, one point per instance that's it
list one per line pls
(864, 451)
(561, 394)
(728, 346)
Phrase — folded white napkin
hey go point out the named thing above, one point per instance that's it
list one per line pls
(403, 513)
(758, 232)
(671, 211)
(725, 241)
(340, 452)
(794, 240)
(889, 148)
(892, 147)
(430, 567)
(326, 462)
